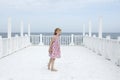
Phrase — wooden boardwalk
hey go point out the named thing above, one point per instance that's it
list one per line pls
(76, 63)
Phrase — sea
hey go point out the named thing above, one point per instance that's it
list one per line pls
(112, 35)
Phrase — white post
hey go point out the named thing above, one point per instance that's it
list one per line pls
(1, 47)
(100, 27)
(108, 37)
(41, 42)
(29, 30)
(25, 40)
(86, 35)
(26, 35)
(9, 45)
(83, 30)
(9, 27)
(16, 44)
(118, 60)
(29, 34)
(108, 54)
(21, 33)
(72, 43)
(90, 25)
(94, 36)
(118, 38)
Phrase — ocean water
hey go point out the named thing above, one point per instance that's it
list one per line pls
(112, 35)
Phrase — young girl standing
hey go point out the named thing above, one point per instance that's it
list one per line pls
(54, 49)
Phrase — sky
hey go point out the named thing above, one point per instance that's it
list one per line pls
(69, 15)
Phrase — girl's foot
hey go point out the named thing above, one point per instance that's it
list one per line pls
(48, 67)
(54, 70)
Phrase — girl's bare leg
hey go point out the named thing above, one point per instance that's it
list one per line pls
(49, 64)
(52, 65)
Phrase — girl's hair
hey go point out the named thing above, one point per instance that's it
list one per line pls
(56, 30)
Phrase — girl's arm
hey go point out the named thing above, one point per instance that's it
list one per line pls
(51, 42)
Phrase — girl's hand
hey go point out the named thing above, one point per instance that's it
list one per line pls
(50, 51)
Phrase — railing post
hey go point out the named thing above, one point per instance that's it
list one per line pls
(60, 40)
(83, 30)
(29, 30)
(28, 35)
(21, 32)
(107, 56)
(9, 45)
(118, 62)
(108, 37)
(100, 27)
(9, 27)
(94, 36)
(16, 36)
(118, 38)
(1, 47)
(72, 43)
(90, 28)
(9, 36)
(94, 42)
(86, 35)
(25, 41)
(41, 42)
(85, 40)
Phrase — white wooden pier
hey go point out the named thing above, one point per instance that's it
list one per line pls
(84, 57)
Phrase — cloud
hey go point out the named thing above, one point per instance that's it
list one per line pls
(62, 12)
(49, 4)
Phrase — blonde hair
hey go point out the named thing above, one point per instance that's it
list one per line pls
(56, 30)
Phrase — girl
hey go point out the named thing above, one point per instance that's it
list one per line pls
(54, 49)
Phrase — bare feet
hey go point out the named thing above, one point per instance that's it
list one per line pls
(48, 67)
(54, 70)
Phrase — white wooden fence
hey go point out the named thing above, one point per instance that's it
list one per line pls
(109, 48)
(10, 45)
(64, 39)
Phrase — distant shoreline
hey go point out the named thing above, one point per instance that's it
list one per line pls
(113, 35)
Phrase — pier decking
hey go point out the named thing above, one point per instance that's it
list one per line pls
(84, 57)
(76, 63)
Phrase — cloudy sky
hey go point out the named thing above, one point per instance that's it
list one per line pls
(70, 15)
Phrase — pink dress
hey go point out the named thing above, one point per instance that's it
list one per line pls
(55, 48)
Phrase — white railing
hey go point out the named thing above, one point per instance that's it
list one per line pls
(109, 48)
(64, 39)
(10, 45)
(1, 50)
